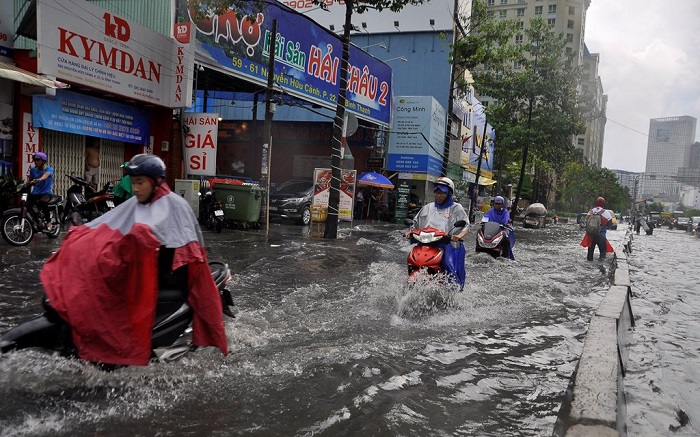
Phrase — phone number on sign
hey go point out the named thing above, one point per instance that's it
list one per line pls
(308, 4)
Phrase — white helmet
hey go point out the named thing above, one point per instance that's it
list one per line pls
(447, 182)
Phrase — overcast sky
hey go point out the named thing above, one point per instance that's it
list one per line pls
(649, 67)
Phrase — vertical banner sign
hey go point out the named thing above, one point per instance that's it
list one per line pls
(322, 186)
(199, 133)
(30, 144)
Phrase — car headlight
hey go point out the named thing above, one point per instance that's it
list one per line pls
(295, 200)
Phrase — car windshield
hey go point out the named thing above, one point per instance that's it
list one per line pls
(683, 219)
(294, 187)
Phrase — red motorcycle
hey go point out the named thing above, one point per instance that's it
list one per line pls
(428, 254)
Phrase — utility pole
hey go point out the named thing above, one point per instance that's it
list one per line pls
(267, 127)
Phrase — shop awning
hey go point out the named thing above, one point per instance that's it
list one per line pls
(485, 181)
(8, 71)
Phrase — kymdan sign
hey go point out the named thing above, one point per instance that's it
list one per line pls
(83, 44)
(307, 58)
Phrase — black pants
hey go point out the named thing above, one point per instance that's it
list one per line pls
(599, 242)
(42, 202)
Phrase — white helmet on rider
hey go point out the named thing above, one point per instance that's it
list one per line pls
(446, 182)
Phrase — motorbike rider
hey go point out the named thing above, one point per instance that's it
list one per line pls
(442, 214)
(499, 214)
(104, 279)
(122, 188)
(600, 240)
(41, 180)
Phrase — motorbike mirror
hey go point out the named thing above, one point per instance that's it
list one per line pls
(408, 222)
(460, 223)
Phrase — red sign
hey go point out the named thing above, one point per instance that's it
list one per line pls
(181, 32)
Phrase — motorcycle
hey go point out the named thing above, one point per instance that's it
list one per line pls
(85, 204)
(20, 224)
(495, 239)
(428, 255)
(172, 333)
(212, 212)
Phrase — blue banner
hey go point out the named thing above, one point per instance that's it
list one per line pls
(91, 116)
(307, 58)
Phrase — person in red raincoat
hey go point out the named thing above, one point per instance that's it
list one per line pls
(103, 280)
(601, 240)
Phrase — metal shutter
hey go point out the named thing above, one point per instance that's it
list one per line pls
(66, 153)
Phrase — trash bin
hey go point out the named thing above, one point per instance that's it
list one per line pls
(241, 203)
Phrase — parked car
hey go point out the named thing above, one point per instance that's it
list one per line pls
(292, 200)
(683, 223)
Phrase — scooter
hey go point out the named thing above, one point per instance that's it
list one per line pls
(172, 333)
(20, 224)
(212, 212)
(428, 255)
(88, 204)
(493, 238)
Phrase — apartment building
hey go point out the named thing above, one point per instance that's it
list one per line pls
(566, 17)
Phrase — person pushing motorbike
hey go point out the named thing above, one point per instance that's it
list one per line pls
(442, 214)
(104, 279)
(41, 180)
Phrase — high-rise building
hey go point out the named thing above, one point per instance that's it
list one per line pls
(566, 17)
(668, 150)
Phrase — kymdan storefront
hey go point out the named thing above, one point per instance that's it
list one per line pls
(124, 81)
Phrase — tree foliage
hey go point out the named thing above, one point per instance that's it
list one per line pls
(580, 184)
(536, 108)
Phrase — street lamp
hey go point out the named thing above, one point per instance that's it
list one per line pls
(379, 44)
(400, 58)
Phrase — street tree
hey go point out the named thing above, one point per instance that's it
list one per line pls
(531, 84)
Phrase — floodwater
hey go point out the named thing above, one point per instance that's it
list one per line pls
(328, 341)
(663, 382)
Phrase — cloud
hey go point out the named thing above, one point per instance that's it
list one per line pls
(648, 66)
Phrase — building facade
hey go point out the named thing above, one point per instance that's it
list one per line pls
(668, 150)
(568, 18)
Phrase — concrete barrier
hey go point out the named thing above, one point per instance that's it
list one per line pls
(595, 402)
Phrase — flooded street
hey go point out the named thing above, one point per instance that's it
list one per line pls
(663, 383)
(327, 341)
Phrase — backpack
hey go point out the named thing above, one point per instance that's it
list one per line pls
(593, 224)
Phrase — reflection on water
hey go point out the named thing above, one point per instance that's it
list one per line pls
(319, 346)
(663, 382)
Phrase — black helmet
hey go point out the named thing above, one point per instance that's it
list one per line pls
(146, 165)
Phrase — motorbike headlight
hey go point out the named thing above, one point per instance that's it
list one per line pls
(426, 237)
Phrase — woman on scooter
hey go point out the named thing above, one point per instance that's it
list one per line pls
(443, 214)
(499, 214)
(105, 278)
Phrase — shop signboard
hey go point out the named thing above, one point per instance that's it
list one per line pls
(199, 137)
(30, 144)
(472, 144)
(402, 198)
(86, 115)
(80, 43)
(322, 188)
(7, 33)
(307, 58)
(417, 140)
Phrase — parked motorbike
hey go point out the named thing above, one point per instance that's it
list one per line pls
(426, 257)
(20, 224)
(172, 336)
(493, 238)
(211, 211)
(85, 204)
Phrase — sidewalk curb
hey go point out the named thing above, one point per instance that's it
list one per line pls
(595, 402)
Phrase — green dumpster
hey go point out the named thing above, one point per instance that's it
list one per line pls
(241, 203)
